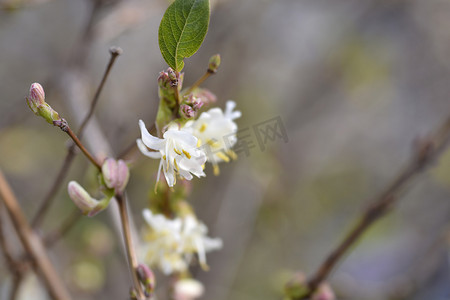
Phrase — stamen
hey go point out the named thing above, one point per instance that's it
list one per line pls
(212, 143)
(177, 151)
(232, 154)
(199, 143)
(223, 157)
(176, 165)
(187, 154)
(202, 128)
(164, 157)
(216, 170)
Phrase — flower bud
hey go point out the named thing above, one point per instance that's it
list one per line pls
(188, 289)
(190, 107)
(187, 111)
(116, 174)
(36, 97)
(36, 102)
(324, 292)
(214, 63)
(81, 198)
(147, 278)
(297, 286)
(172, 76)
(204, 96)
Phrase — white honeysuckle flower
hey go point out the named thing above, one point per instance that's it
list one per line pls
(188, 289)
(216, 132)
(173, 243)
(177, 150)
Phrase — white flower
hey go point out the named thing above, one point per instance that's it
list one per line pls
(177, 150)
(216, 131)
(172, 243)
(188, 289)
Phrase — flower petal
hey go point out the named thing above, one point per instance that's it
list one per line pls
(149, 140)
(182, 136)
(144, 150)
(229, 113)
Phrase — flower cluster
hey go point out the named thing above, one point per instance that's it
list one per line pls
(183, 150)
(172, 244)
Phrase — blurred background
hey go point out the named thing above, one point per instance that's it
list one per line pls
(352, 83)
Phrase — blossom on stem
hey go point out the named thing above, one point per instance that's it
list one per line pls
(177, 150)
(172, 243)
(216, 131)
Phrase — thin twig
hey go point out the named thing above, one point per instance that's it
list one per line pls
(16, 266)
(200, 81)
(7, 252)
(131, 255)
(32, 244)
(46, 203)
(80, 145)
(115, 52)
(427, 151)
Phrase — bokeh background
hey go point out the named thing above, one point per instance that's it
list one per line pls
(354, 83)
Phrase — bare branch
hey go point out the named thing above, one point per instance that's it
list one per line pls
(427, 151)
(32, 244)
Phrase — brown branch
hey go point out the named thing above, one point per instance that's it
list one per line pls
(115, 52)
(427, 151)
(32, 244)
(65, 127)
(200, 81)
(46, 203)
(131, 255)
(7, 252)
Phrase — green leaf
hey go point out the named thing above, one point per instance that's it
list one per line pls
(182, 31)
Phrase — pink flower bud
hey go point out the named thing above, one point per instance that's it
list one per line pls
(324, 292)
(116, 174)
(147, 278)
(81, 198)
(36, 102)
(187, 111)
(204, 96)
(163, 79)
(172, 76)
(36, 97)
